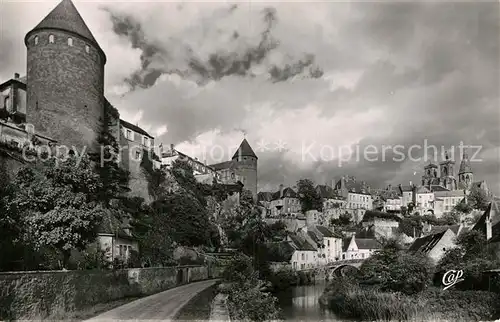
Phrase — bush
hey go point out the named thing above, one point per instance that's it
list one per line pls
(395, 270)
(350, 300)
(246, 298)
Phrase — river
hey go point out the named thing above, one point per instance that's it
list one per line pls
(300, 303)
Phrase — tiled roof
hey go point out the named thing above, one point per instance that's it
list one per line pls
(439, 229)
(314, 237)
(264, 196)
(427, 243)
(111, 224)
(367, 243)
(491, 211)
(437, 188)
(134, 128)
(345, 243)
(223, 165)
(327, 232)
(301, 244)
(287, 193)
(280, 252)
(245, 150)
(327, 192)
(66, 17)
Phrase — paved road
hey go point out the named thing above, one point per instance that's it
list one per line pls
(160, 306)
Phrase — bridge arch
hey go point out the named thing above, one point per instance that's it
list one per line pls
(339, 270)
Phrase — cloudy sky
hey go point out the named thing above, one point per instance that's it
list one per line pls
(320, 90)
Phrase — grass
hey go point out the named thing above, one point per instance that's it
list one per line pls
(352, 301)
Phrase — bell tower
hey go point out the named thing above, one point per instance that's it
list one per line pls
(465, 174)
(447, 175)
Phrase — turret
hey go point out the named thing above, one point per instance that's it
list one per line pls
(246, 166)
(65, 78)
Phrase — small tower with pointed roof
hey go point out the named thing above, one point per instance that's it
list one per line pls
(65, 78)
(245, 161)
(465, 175)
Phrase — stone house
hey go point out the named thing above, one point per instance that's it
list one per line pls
(285, 203)
(434, 245)
(359, 248)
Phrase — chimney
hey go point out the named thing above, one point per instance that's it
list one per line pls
(171, 147)
(281, 191)
(487, 223)
(411, 184)
(16, 75)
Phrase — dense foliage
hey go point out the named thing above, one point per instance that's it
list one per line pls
(393, 269)
(57, 205)
(478, 199)
(247, 300)
(114, 179)
(473, 256)
(309, 196)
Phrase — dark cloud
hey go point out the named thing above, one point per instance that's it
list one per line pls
(220, 63)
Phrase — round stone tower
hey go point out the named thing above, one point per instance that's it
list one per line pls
(65, 79)
(246, 166)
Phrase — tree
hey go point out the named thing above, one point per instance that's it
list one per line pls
(397, 270)
(114, 179)
(411, 225)
(478, 199)
(309, 196)
(247, 299)
(463, 207)
(57, 203)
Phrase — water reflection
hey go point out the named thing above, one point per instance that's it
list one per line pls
(301, 304)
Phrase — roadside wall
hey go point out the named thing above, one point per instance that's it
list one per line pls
(38, 295)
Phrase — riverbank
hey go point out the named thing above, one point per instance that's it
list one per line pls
(350, 300)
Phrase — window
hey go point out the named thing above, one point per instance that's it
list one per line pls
(328, 242)
(6, 103)
(51, 39)
(70, 41)
(303, 257)
(129, 134)
(36, 40)
(145, 141)
(137, 155)
(87, 49)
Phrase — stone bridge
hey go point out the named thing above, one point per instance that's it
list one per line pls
(333, 269)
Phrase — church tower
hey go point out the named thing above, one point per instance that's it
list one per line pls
(246, 166)
(430, 176)
(65, 79)
(465, 175)
(447, 173)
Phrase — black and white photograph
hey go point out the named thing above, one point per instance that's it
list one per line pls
(249, 161)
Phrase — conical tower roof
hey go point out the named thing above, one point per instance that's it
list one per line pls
(66, 17)
(245, 150)
(465, 166)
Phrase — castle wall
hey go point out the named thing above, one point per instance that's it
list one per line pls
(65, 86)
